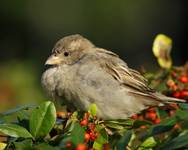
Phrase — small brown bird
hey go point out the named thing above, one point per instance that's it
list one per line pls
(82, 74)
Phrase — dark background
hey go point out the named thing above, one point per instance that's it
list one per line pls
(30, 28)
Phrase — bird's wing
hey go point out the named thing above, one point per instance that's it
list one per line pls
(126, 76)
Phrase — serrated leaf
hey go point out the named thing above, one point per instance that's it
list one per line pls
(93, 109)
(14, 130)
(42, 119)
(123, 142)
(77, 134)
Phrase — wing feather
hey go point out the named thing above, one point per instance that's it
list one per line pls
(134, 82)
(121, 72)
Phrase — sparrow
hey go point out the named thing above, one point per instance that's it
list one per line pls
(81, 74)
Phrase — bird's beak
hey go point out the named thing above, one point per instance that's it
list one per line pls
(53, 60)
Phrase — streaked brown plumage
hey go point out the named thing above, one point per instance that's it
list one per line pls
(82, 73)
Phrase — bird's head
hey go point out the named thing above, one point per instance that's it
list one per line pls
(69, 50)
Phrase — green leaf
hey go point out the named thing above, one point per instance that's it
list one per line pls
(119, 124)
(103, 136)
(97, 146)
(45, 146)
(23, 145)
(164, 126)
(17, 109)
(176, 143)
(161, 87)
(148, 144)
(124, 122)
(115, 126)
(182, 115)
(2, 146)
(1, 120)
(77, 134)
(183, 106)
(93, 109)
(101, 139)
(42, 119)
(123, 142)
(139, 123)
(14, 130)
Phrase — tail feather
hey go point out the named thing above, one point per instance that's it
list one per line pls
(167, 99)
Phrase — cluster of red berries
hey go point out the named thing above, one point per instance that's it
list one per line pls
(151, 115)
(178, 85)
(88, 123)
(81, 146)
(148, 115)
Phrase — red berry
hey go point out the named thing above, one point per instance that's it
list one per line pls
(87, 137)
(173, 74)
(174, 105)
(61, 114)
(91, 126)
(172, 112)
(143, 127)
(106, 146)
(93, 136)
(174, 88)
(81, 147)
(151, 109)
(86, 116)
(183, 79)
(177, 126)
(176, 94)
(184, 93)
(68, 145)
(151, 115)
(95, 117)
(170, 83)
(84, 122)
(140, 117)
(156, 121)
(134, 116)
(163, 107)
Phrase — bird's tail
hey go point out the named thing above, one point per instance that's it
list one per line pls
(166, 99)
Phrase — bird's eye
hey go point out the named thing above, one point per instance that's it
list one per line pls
(66, 54)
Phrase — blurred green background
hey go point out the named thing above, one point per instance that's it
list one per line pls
(30, 28)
